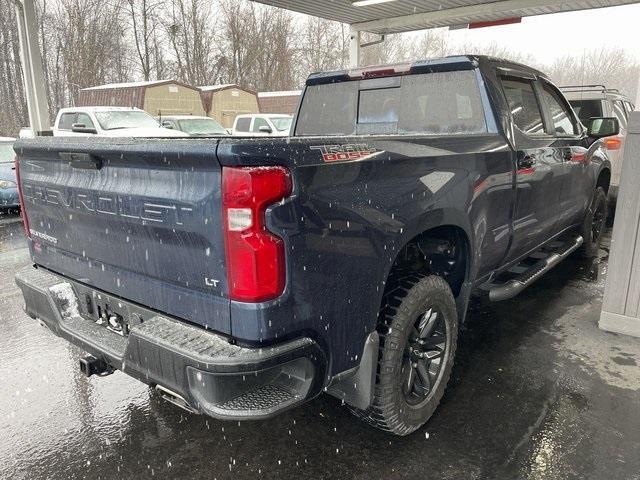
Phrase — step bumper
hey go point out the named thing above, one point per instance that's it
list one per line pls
(191, 365)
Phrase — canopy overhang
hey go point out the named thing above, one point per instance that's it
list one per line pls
(395, 16)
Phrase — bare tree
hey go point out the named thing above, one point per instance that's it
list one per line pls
(144, 21)
(395, 48)
(322, 46)
(191, 28)
(612, 67)
(260, 46)
(87, 44)
(13, 112)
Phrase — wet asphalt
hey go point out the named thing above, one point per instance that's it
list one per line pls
(538, 392)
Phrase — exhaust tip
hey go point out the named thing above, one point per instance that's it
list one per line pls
(174, 398)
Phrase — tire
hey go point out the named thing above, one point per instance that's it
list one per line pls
(594, 224)
(399, 406)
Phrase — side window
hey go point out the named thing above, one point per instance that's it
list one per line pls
(86, 119)
(524, 106)
(242, 125)
(561, 116)
(66, 120)
(257, 123)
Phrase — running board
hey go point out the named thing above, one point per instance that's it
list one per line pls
(513, 287)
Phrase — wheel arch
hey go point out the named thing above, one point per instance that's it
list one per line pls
(439, 224)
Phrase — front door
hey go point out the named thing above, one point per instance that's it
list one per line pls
(576, 185)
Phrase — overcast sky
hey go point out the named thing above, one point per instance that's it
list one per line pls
(550, 36)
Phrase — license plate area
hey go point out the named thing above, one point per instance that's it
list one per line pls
(110, 318)
(110, 312)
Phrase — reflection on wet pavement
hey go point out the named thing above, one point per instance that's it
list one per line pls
(537, 392)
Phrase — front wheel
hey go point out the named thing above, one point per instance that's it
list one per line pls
(594, 223)
(418, 328)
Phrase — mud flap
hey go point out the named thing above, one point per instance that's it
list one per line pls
(355, 387)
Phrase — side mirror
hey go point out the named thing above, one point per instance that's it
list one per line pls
(601, 127)
(82, 128)
(167, 124)
(265, 129)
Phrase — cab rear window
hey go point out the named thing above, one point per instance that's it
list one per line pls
(441, 103)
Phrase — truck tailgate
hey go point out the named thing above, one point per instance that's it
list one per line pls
(137, 218)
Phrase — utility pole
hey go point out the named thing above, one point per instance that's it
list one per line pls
(33, 73)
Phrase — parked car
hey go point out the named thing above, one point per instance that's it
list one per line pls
(109, 122)
(243, 276)
(590, 101)
(194, 126)
(8, 185)
(262, 125)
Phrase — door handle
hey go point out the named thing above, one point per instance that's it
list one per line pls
(527, 161)
(84, 161)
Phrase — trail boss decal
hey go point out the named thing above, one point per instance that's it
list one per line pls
(344, 153)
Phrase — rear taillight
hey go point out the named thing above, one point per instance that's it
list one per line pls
(613, 143)
(23, 212)
(256, 266)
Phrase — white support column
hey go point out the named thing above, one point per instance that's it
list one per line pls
(621, 304)
(32, 68)
(354, 47)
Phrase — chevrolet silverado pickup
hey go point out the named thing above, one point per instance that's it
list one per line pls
(241, 277)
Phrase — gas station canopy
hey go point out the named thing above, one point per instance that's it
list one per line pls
(394, 16)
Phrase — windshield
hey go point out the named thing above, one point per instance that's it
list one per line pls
(281, 123)
(441, 103)
(125, 119)
(586, 109)
(7, 154)
(201, 126)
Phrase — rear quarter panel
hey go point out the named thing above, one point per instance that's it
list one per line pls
(347, 221)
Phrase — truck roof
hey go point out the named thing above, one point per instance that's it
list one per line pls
(99, 109)
(183, 117)
(269, 115)
(592, 92)
(450, 63)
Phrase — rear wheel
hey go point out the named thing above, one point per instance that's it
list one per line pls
(418, 335)
(594, 223)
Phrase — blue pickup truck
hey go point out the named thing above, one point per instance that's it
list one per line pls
(244, 276)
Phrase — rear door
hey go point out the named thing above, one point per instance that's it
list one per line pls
(538, 167)
(137, 218)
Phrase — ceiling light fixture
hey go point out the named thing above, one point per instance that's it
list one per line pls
(364, 3)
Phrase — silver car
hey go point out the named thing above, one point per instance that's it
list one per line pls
(590, 101)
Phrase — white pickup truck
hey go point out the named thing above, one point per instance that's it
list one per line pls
(109, 122)
(262, 125)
